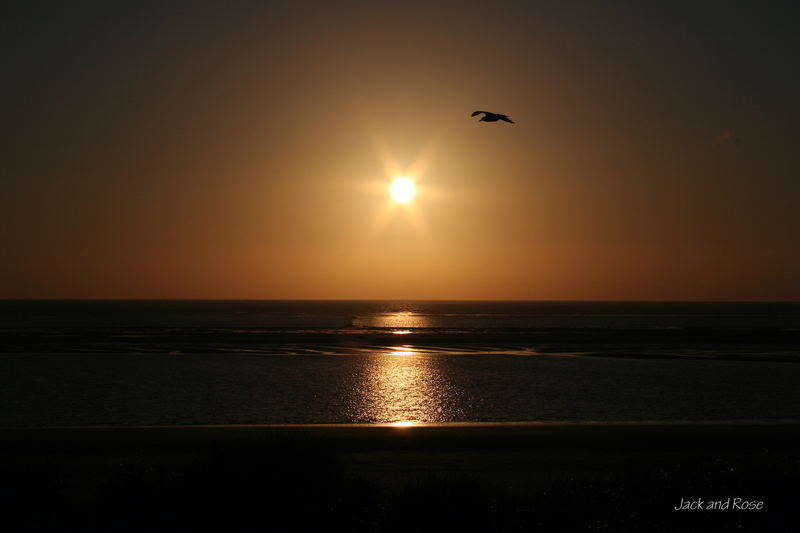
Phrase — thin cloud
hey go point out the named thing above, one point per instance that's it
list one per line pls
(726, 136)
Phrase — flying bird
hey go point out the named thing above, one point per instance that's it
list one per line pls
(491, 117)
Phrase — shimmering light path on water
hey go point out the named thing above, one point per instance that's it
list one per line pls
(386, 386)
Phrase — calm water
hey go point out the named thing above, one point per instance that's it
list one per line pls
(196, 362)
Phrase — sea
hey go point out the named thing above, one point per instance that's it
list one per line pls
(193, 362)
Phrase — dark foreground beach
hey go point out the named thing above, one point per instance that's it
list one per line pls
(480, 477)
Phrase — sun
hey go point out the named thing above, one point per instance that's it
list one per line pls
(403, 190)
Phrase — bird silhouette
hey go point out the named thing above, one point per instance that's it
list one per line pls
(492, 117)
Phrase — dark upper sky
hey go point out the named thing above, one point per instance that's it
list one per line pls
(245, 149)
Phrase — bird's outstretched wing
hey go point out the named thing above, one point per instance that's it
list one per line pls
(503, 117)
(478, 113)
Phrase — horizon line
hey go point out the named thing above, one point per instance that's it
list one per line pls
(487, 300)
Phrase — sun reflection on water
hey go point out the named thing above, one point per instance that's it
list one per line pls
(402, 350)
(403, 387)
(403, 321)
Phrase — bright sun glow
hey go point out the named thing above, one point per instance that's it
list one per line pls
(403, 190)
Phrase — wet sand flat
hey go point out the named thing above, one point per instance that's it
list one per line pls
(40, 390)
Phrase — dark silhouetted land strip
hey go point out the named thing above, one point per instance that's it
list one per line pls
(487, 477)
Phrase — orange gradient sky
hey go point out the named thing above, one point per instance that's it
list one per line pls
(202, 150)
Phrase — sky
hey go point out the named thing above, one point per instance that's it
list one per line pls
(245, 150)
